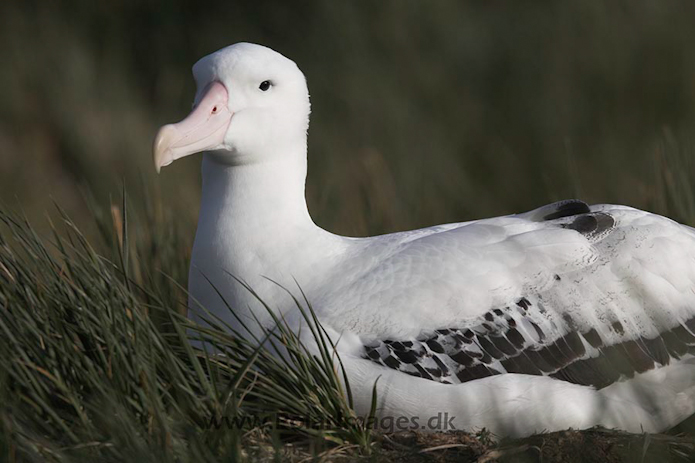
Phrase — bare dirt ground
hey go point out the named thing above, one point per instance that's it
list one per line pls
(596, 445)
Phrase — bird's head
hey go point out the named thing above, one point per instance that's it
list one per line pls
(250, 103)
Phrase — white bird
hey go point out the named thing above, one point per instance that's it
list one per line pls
(566, 316)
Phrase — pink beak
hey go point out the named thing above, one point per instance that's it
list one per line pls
(203, 129)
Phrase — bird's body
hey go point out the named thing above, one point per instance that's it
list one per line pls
(565, 316)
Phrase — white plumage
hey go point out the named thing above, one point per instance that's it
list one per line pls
(565, 316)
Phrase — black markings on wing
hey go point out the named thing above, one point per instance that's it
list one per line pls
(508, 340)
(575, 215)
(557, 210)
(593, 225)
(566, 208)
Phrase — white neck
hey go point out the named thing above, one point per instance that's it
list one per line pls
(254, 224)
(255, 198)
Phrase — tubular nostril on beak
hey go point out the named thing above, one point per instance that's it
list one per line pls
(199, 131)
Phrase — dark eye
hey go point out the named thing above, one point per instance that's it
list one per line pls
(265, 85)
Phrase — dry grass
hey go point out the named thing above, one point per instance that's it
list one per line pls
(422, 113)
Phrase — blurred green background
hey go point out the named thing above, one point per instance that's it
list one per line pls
(422, 111)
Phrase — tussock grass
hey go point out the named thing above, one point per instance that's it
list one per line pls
(95, 363)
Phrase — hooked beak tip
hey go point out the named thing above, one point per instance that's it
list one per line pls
(162, 152)
(203, 129)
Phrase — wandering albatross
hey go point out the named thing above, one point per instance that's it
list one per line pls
(569, 315)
